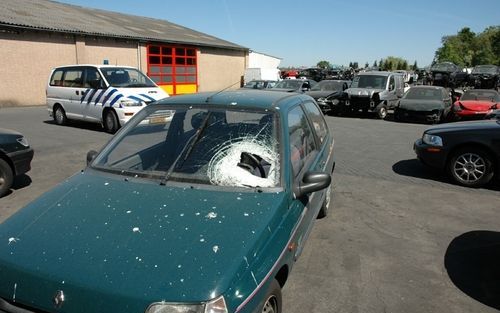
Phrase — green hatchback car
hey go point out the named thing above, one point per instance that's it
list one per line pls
(200, 204)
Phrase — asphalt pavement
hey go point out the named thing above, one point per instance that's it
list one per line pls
(399, 237)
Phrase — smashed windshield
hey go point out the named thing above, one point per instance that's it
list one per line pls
(126, 77)
(369, 81)
(444, 67)
(289, 84)
(481, 95)
(485, 69)
(325, 85)
(216, 146)
(424, 94)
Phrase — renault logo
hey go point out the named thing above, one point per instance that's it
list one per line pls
(58, 299)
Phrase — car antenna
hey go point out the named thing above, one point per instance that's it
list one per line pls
(207, 100)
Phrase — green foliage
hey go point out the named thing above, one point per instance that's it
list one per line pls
(393, 63)
(468, 49)
(324, 65)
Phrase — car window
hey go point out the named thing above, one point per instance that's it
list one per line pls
(73, 78)
(56, 79)
(211, 146)
(91, 74)
(317, 120)
(301, 139)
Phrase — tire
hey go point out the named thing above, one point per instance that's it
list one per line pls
(110, 122)
(323, 212)
(6, 177)
(60, 115)
(382, 111)
(397, 115)
(471, 167)
(272, 300)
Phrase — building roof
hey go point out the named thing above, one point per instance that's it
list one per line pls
(65, 18)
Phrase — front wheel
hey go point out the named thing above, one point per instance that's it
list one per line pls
(60, 115)
(111, 123)
(6, 177)
(382, 111)
(272, 300)
(471, 167)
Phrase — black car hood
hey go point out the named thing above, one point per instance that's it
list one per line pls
(316, 94)
(421, 105)
(465, 126)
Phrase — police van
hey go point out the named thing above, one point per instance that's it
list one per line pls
(104, 94)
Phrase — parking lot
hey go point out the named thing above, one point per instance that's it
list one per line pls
(399, 237)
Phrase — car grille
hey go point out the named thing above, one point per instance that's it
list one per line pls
(360, 101)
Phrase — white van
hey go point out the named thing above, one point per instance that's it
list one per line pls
(104, 94)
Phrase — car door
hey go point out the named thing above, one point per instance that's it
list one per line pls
(93, 96)
(73, 89)
(306, 154)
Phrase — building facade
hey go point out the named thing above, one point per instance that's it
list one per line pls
(38, 35)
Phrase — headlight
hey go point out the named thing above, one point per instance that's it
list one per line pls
(335, 101)
(432, 140)
(131, 103)
(215, 306)
(23, 141)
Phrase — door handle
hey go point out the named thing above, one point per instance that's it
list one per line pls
(77, 92)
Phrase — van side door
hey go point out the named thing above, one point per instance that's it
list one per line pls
(73, 90)
(94, 94)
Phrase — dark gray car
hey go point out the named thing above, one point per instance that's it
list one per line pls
(430, 104)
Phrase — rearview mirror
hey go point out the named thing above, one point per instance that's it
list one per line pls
(91, 156)
(311, 182)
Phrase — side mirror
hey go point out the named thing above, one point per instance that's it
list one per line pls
(311, 182)
(91, 156)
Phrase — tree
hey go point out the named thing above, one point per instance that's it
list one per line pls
(375, 64)
(367, 65)
(350, 65)
(324, 65)
(415, 67)
(355, 65)
(468, 49)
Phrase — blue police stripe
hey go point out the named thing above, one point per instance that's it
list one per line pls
(83, 95)
(147, 97)
(92, 93)
(108, 96)
(115, 99)
(135, 98)
(99, 97)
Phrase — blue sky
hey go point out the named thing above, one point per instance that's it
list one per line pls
(302, 33)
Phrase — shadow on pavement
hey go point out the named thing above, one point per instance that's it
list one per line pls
(415, 168)
(79, 124)
(473, 264)
(21, 181)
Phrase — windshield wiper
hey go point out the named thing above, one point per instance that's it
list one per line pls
(187, 149)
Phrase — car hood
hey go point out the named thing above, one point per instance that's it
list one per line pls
(115, 245)
(464, 126)
(362, 91)
(316, 94)
(9, 132)
(421, 105)
(474, 105)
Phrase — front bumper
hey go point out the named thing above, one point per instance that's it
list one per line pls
(21, 160)
(430, 155)
(419, 116)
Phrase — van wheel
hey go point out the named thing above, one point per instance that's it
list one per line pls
(111, 124)
(6, 177)
(60, 115)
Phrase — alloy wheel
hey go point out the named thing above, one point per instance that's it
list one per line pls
(469, 167)
(271, 305)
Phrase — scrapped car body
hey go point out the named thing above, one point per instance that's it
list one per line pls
(200, 203)
(105, 94)
(468, 151)
(448, 74)
(430, 104)
(485, 77)
(476, 104)
(294, 85)
(15, 158)
(328, 94)
(374, 92)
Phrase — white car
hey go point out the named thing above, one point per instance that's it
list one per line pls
(104, 94)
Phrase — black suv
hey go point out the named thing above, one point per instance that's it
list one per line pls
(485, 77)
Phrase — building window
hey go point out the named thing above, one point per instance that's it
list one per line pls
(173, 67)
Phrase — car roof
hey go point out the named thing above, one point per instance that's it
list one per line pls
(376, 73)
(426, 87)
(96, 65)
(248, 98)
